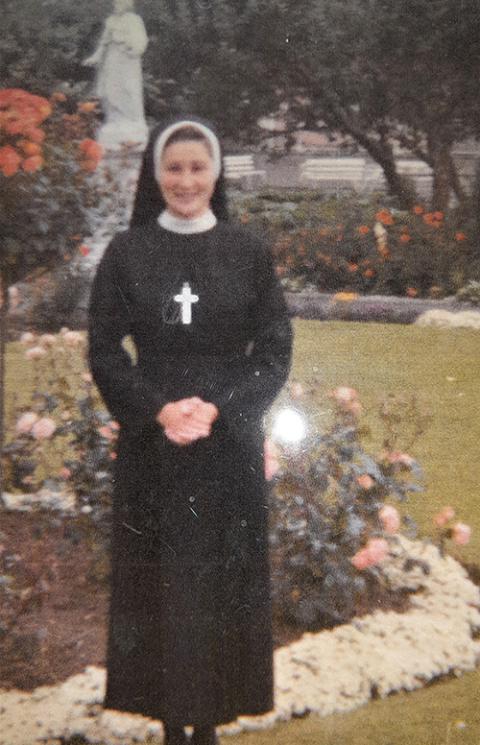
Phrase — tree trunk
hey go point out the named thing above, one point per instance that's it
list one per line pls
(3, 341)
(441, 159)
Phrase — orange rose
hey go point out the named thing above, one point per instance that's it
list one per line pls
(369, 273)
(30, 165)
(87, 106)
(9, 160)
(405, 238)
(385, 217)
(418, 210)
(363, 229)
(460, 236)
(35, 134)
(30, 148)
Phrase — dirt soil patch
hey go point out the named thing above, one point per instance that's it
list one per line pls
(54, 596)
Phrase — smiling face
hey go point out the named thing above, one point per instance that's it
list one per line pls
(186, 178)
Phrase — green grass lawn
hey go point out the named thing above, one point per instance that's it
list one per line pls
(442, 368)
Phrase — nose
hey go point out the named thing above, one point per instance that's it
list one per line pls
(186, 178)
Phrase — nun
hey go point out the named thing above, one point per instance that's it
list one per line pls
(189, 635)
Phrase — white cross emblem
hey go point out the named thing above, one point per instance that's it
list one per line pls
(186, 299)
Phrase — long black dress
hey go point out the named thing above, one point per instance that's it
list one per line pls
(190, 618)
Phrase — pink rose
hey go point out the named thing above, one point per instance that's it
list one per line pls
(106, 432)
(87, 378)
(25, 423)
(373, 553)
(272, 464)
(365, 481)
(395, 456)
(44, 428)
(296, 390)
(344, 395)
(114, 425)
(48, 340)
(113, 455)
(461, 533)
(65, 473)
(35, 353)
(14, 297)
(378, 549)
(27, 338)
(361, 560)
(389, 518)
(72, 338)
(444, 516)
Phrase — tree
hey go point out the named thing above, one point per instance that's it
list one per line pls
(45, 159)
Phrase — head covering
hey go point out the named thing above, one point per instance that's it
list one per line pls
(149, 201)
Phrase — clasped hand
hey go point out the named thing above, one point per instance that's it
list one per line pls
(187, 420)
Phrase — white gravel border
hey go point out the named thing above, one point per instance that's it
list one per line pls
(323, 673)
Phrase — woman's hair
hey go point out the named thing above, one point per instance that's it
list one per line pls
(188, 134)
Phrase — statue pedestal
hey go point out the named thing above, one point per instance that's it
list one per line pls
(116, 135)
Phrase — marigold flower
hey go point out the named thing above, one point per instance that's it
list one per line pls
(389, 518)
(418, 210)
(30, 165)
(461, 534)
(363, 229)
(44, 428)
(352, 267)
(438, 215)
(460, 236)
(405, 238)
(369, 273)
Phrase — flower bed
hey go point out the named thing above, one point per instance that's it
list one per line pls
(322, 673)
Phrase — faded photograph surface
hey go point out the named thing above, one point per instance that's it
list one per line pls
(239, 353)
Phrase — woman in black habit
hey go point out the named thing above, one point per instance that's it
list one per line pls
(190, 638)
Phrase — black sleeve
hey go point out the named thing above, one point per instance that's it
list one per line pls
(254, 382)
(128, 396)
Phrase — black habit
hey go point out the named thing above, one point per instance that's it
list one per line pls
(190, 636)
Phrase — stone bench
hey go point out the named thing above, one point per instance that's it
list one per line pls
(349, 170)
(242, 168)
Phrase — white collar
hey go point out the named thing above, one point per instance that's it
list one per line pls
(184, 225)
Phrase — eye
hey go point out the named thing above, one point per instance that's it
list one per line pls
(197, 167)
(173, 168)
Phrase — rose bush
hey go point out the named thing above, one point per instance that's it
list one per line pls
(332, 522)
(350, 245)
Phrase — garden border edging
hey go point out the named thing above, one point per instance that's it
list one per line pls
(324, 673)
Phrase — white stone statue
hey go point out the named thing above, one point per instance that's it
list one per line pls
(118, 59)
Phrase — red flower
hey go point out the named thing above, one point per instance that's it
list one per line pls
(9, 160)
(84, 250)
(385, 217)
(30, 165)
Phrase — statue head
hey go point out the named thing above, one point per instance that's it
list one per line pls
(123, 6)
